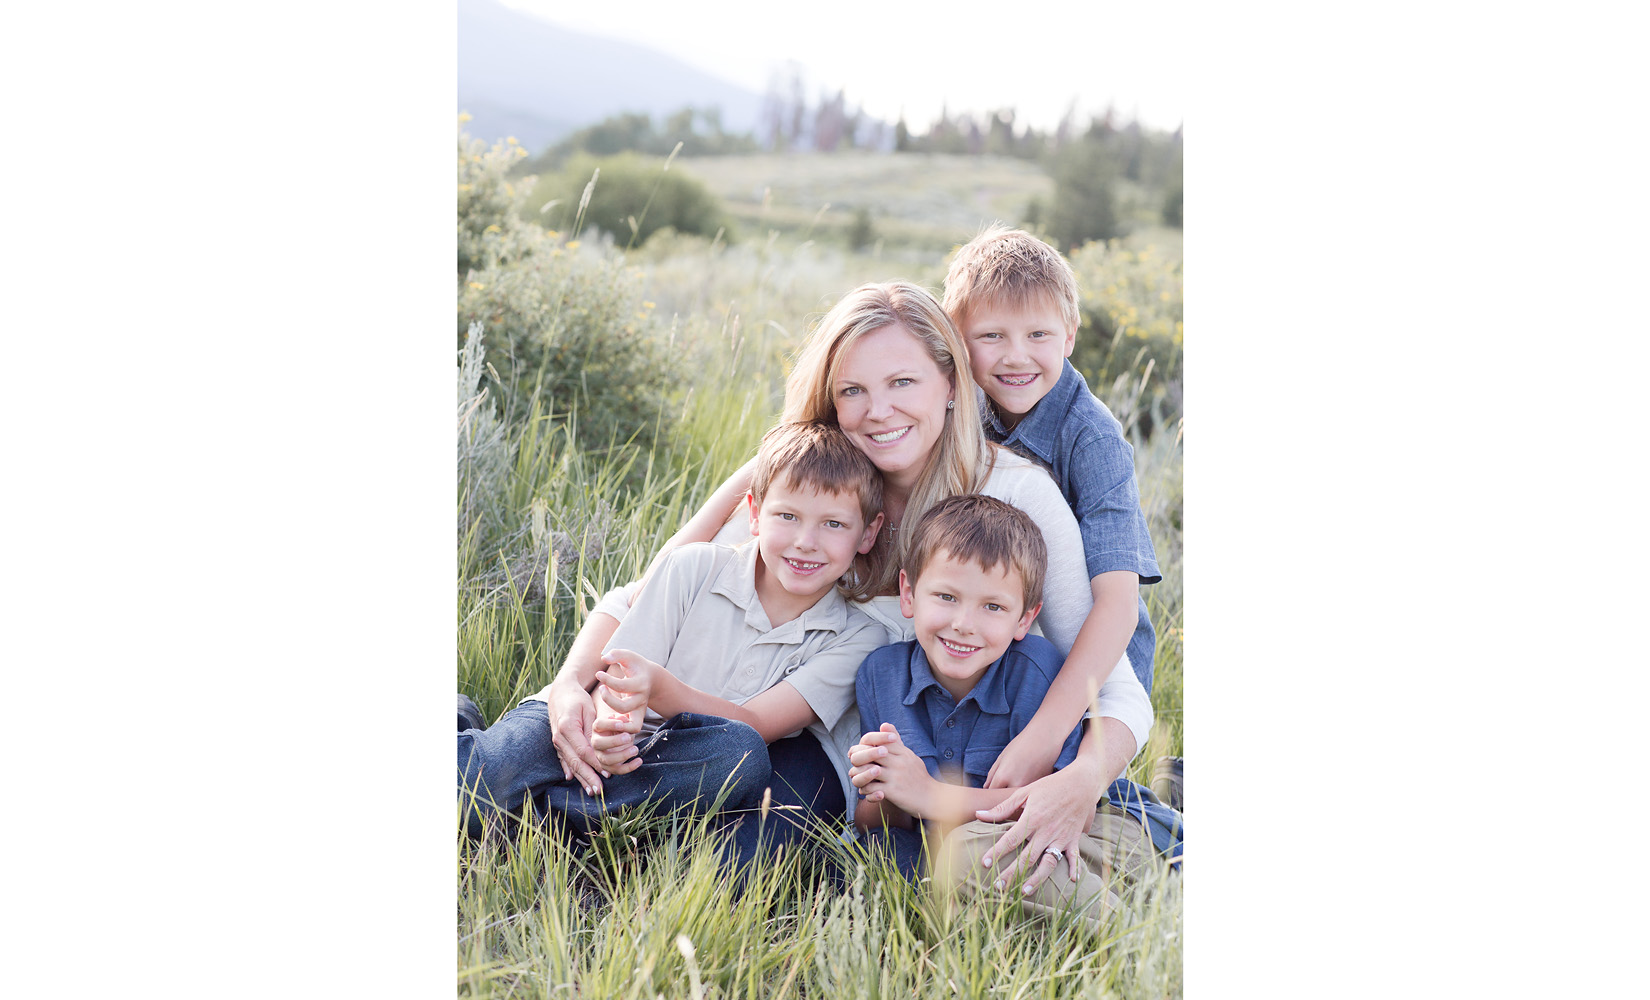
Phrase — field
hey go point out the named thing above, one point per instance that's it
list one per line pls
(549, 516)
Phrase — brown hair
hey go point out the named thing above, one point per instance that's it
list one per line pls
(984, 530)
(960, 461)
(1012, 266)
(817, 455)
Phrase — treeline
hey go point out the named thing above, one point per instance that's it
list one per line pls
(1109, 175)
(699, 130)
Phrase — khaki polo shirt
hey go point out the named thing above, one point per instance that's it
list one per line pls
(699, 617)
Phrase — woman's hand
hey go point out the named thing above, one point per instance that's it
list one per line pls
(1028, 757)
(1054, 813)
(572, 723)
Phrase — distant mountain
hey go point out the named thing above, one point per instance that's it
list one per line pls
(520, 76)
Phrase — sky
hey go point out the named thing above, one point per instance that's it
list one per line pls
(918, 57)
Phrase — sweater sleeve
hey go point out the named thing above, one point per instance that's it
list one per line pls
(1067, 594)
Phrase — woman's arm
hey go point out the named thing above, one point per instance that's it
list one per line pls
(1081, 617)
(1056, 810)
(1096, 657)
(572, 711)
(722, 504)
(720, 508)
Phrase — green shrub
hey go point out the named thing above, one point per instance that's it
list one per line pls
(633, 197)
(490, 227)
(1085, 197)
(1173, 206)
(862, 232)
(569, 333)
(568, 328)
(1132, 305)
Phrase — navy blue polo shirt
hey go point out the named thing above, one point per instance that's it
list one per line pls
(1072, 435)
(959, 740)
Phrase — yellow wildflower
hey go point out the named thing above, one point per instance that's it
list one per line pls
(478, 286)
(648, 305)
(510, 139)
(463, 116)
(552, 234)
(492, 229)
(572, 244)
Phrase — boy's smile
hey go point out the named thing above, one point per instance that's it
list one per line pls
(805, 540)
(1016, 353)
(965, 616)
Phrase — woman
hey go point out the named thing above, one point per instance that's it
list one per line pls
(888, 367)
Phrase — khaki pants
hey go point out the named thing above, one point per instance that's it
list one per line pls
(1114, 850)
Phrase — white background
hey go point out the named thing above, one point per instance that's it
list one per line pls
(921, 57)
(1413, 478)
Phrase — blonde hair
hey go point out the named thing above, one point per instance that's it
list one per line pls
(1011, 266)
(984, 530)
(960, 460)
(817, 455)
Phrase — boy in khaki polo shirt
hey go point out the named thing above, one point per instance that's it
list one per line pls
(734, 670)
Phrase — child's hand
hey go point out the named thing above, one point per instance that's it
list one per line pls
(864, 755)
(1028, 756)
(631, 680)
(897, 775)
(613, 734)
(615, 743)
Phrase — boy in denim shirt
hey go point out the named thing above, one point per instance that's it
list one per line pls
(941, 708)
(1014, 299)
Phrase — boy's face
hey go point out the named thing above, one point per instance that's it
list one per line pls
(1016, 352)
(807, 539)
(965, 616)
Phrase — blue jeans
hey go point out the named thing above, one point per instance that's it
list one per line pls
(904, 846)
(686, 765)
(806, 795)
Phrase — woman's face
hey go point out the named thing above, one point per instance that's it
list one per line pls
(890, 400)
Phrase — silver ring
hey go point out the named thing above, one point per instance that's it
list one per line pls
(1059, 855)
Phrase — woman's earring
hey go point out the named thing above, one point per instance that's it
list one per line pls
(951, 404)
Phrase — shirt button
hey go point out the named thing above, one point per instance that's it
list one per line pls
(950, 723)
(950, 754)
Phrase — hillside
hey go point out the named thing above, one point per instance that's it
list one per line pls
(520, 76)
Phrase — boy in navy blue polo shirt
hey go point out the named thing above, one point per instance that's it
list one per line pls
(940, 708)
(1014, 300)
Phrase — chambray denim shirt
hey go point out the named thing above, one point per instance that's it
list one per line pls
(1072, 434)
(958, 741)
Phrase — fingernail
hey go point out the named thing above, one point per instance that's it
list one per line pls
(1025, 890)
(986, 861)
(1001, 885)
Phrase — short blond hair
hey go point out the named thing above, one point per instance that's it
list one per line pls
(1013, 267)
(960, 460)
(817, 455)
(984, 530)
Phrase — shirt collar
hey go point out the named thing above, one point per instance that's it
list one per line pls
(1040, 428)
(737, 583)
(989, 692)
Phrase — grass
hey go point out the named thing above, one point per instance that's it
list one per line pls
(916, 199)
(545, 527)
